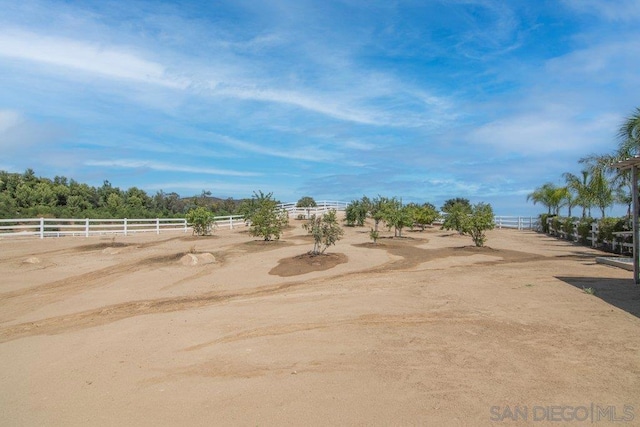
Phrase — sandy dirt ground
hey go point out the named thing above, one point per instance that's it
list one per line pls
(173, 329)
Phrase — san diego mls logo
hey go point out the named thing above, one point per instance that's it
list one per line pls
(559, 413)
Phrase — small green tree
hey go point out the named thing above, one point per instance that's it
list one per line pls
(477, 222)
(397, 216)
(448, 204)
(376, 208)
(306, 202)
(356, 213)
(455, 214)
(423, 215)
(374, 235)
(326, 231)
(265, 218)
(201, 220)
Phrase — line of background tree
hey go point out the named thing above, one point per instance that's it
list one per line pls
(457, 214)
(267, 220)
(600, 185)
(28, 196)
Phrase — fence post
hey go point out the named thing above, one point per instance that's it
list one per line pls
(86, 227)
(185, 225)
(41, 227)
(157, 225)
(230, 222)
(125, 226)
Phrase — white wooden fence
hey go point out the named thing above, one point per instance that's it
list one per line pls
(56, 227)
(321, 207)
(618, 244)
(517, 222)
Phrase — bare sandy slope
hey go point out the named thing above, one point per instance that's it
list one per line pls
(226, 330)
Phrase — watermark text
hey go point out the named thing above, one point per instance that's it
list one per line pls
(563, 413)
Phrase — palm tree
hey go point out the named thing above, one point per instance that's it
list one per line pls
(620, 180)
(566, 198)
(629, 133)
(603, 193)
(580, 187)
(620, 186)
(570, 200)
(541, 195)
(550, 196)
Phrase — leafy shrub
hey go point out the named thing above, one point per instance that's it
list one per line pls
(478, 222)
(544, 223)
(265, 219)
(306, 202)
(325, 231)
(608, 226)
(584, 229)
(423, 215)
(456, 212)
(568, 227)
(374, 235)
(397, 216)
(201, 220)
(356, 213)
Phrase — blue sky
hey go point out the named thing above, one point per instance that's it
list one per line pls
(425, 100)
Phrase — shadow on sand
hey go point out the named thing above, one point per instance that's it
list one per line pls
(621, 293)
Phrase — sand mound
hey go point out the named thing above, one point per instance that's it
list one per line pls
(195, 259)
(111, 250)
(32, 260)
(206, 258)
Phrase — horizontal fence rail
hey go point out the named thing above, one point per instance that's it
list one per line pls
(320, 208)
(57, 227)
(517, 222)
(620, 241)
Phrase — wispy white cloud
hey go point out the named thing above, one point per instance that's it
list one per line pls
(302, 152)
(18, 134)
(605, 61)
(225, 188)
(354, 144)
(356, 104)
(444, 186)
(619, 10)
(482, 36)
(545, 132)
(95, 58)
(8, 120)
(166, 167)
